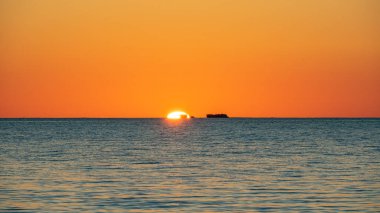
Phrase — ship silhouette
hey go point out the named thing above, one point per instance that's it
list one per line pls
(217, 116)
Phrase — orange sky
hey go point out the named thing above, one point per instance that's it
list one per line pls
(144, 58)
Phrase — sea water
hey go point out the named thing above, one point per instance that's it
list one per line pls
(194, 165)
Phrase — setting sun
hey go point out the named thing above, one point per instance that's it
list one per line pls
(177, 115)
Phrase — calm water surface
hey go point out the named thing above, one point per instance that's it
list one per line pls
(197, 165)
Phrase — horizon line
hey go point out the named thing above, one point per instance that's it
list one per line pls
(239, 117)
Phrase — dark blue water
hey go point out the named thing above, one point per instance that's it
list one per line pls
(196, 165)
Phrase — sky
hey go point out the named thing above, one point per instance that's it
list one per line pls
(146, 58)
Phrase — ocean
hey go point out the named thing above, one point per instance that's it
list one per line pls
(194, 165)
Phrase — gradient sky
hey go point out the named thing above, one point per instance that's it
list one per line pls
(145, 58)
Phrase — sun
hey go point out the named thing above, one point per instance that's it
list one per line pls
(177, 115)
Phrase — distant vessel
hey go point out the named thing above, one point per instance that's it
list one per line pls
(217, 116)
